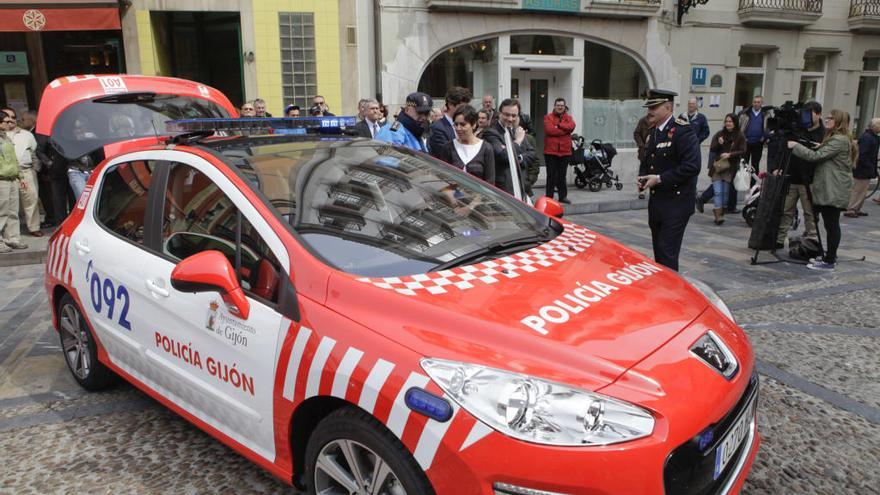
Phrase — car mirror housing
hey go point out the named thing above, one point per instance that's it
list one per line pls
(549, 207)
(211, 271)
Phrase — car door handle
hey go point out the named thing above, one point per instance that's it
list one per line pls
(156, 289)
(82, 248)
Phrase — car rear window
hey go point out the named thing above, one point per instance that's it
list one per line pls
(91, 124)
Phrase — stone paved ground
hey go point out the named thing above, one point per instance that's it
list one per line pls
(816, 336)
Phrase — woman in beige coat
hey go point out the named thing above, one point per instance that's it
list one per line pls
(832, 182)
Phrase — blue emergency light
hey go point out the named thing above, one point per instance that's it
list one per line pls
(286, 125)
(424, 402)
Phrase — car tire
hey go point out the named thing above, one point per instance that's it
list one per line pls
(351, 436)
(79, 348)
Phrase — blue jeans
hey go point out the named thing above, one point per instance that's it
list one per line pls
(77, 180)
(721, 192)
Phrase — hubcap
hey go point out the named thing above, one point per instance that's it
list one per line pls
(345, 467)
(74, 341)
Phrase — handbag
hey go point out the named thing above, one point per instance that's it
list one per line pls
(743, 180)
(721, 165)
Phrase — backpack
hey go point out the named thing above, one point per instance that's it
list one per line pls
(801, 248)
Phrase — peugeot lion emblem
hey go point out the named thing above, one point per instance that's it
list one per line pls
(711, 350)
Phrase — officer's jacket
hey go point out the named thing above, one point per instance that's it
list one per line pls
(673, 153)
(397, 133)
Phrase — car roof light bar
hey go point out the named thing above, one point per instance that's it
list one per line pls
(287, 125)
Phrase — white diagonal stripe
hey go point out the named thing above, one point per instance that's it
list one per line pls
(344, 371)
(62, 259)
(431, 437)
(375, 382)
(50, 253)
(296, 353)
(317, 367)
(477, 433)
(399, 411)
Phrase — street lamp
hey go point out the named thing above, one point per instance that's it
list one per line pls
(684, 5)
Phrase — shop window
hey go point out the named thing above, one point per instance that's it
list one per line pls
(614, 84)
(749, 78)
(540, 44)
(472, 65)
(299, 72)
(867, 97)
(751, 59)
(812, 77)
(871, 63)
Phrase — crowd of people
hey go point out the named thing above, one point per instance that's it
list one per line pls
(827, 171)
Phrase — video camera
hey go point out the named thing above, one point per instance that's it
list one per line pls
(791, 120)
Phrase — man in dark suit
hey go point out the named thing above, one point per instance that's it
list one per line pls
(441, 131)
(669, 171)
(508, 121)
(370, 126)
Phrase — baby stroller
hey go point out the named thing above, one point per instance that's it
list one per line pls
(592, 165)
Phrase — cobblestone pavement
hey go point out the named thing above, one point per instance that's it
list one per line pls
(816, 337)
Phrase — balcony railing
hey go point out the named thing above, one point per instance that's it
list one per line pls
(779, 13)
(864, 16)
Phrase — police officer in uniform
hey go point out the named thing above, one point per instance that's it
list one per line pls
(411, 123)
(669, 171)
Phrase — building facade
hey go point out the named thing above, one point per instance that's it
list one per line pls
(600, 54)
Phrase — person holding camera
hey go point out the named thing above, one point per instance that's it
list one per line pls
(800, 173)
(728, 145)
(832, 181)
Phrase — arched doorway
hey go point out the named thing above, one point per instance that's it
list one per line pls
(602, 84)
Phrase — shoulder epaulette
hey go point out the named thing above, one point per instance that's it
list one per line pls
(681, 121)
(395, 126)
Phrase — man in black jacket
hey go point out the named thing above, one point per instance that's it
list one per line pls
(441, 131)
(508, 119)
(866, 168)
(370, 126)
(801, 176)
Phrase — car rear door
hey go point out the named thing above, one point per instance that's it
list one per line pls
(109, 259)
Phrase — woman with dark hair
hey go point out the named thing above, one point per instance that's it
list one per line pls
(832, 181)
(468, 152)
(728, 145)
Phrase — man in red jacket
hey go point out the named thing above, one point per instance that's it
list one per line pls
(558, 126)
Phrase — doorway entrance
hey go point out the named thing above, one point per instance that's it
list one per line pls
(536, 90)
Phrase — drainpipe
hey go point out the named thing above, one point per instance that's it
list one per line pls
(377, 47)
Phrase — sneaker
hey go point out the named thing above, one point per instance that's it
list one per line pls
(821, 265)
(863, 214)
(851, 214)
(16, 245)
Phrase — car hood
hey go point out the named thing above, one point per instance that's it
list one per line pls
(580, 308)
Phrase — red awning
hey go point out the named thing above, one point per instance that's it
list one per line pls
(58, 15)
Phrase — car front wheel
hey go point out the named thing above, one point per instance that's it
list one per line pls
(80, 350)
(352, 453)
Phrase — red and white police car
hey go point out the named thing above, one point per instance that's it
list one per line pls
(358, 318)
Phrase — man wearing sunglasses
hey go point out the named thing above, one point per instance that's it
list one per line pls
(411, 123)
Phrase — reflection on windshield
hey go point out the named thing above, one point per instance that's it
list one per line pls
(89, 125)
(377, 210)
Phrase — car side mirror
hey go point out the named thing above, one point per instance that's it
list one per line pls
(549, 207)
(211, 271)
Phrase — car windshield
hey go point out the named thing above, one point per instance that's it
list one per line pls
(381, 211)
(91, 124)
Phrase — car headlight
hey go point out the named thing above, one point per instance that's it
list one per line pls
(537, 410)
(712, 296)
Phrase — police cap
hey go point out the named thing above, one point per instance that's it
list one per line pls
(421, 101)
(658, 96)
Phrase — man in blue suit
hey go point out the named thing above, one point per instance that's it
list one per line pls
(441, 131)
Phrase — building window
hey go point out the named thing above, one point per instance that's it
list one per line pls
(812, 77)
(749, 79)
(299, 75)
(471, 65)
(539, 44)
(866, 98)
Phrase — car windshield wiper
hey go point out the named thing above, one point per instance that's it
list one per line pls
(503, 246)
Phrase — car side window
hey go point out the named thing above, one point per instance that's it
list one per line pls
(122, 203)
(198, 216)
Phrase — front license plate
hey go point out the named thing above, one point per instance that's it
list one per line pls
(735, 436)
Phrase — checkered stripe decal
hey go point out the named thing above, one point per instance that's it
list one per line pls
(573, 241)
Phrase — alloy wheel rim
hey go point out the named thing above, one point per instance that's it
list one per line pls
(346, 467)
(74, 341)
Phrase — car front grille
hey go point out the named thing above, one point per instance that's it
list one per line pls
(689, 469)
